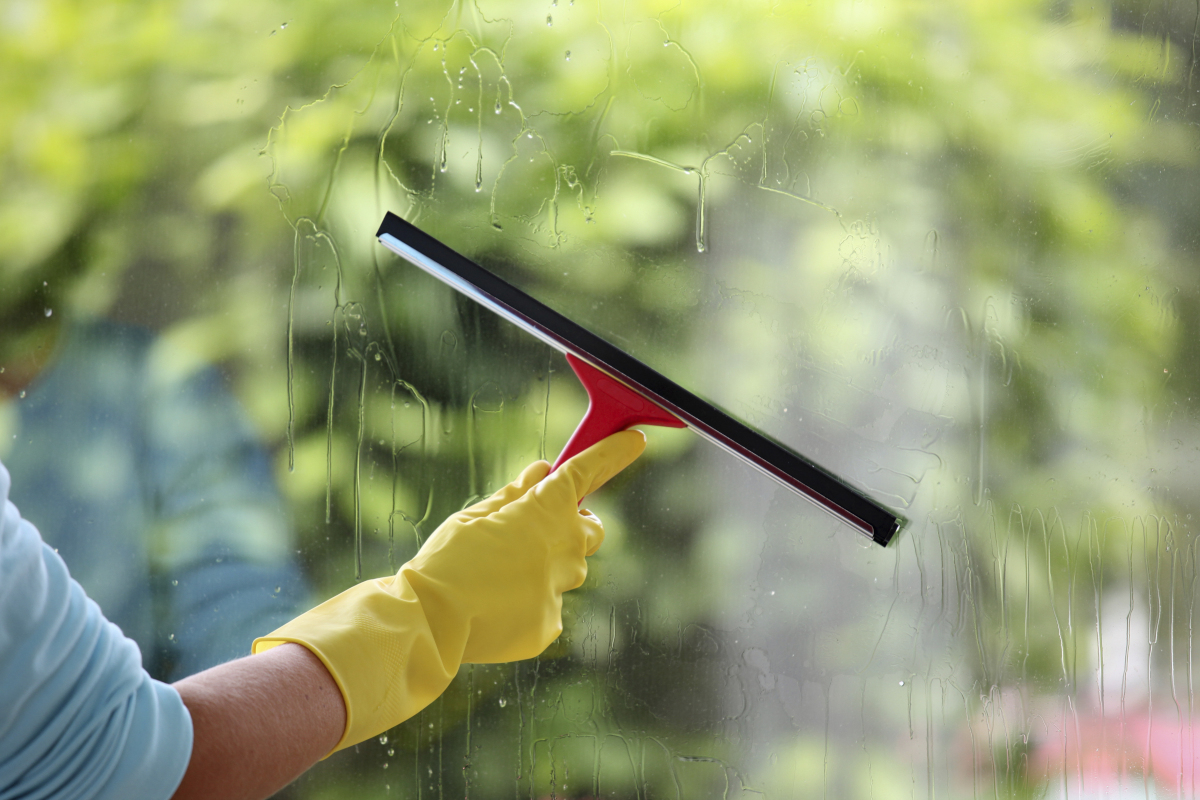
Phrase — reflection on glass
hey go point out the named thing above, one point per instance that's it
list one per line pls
(142, 473)
(945, 249)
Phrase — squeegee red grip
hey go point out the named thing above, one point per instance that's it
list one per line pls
(612, 407)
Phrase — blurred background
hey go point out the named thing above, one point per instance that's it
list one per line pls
(947, 250)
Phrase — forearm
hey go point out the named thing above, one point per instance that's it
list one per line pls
(258, 723)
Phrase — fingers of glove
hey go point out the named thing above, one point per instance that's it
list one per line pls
(529, 477)
(583, 537)
(593, 532)
(591, 469)
(568, 573)
(515, 636)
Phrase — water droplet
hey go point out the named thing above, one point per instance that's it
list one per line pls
(386, 765)
(568, 58)
(901, 683)
(171, 636)
(497, 106)
(49, 311)
(378, 357)
(549, 21)
(391, 751)
(667, 43)
(278, 589)
(383, 739)
(503, 702)
(22, 394)
(175, 582)
(284, 26)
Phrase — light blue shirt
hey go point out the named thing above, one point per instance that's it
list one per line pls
(79, 716)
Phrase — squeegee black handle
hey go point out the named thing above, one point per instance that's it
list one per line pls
(538, 319)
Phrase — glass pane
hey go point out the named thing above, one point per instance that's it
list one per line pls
(943, 249)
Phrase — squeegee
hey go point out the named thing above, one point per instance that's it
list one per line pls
(623, 391)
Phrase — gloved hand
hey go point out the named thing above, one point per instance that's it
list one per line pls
(485, 588)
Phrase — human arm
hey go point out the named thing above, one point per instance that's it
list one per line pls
(486, 587)
(259, 722)
(218, 529)
(80, 718)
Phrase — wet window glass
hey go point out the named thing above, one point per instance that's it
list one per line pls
(944, 250)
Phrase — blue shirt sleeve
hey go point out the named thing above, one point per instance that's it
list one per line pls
(79, 717)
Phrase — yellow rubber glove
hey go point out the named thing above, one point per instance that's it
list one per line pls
(485, 588)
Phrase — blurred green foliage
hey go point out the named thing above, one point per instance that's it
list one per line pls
(955, 240)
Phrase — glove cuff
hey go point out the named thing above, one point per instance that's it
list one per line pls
(378, 645)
